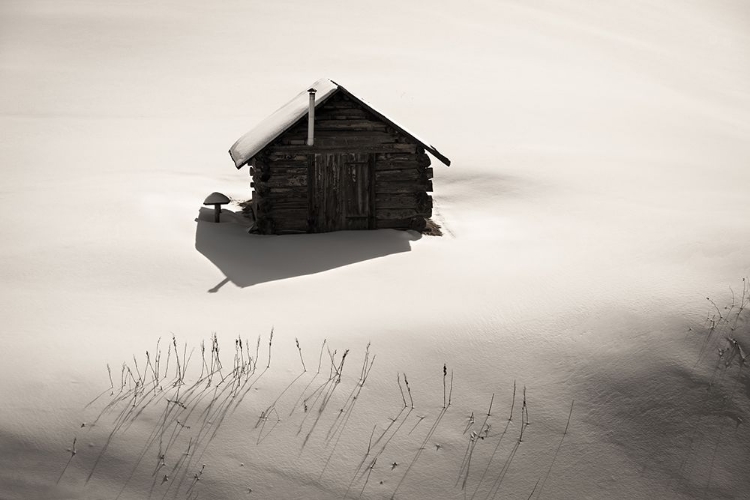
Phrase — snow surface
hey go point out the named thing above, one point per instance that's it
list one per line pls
(599, 195)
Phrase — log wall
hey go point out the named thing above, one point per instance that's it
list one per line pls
(280, 173)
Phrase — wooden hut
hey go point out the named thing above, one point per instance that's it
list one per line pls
(328, 161)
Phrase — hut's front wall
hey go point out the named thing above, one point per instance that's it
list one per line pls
(360, 174)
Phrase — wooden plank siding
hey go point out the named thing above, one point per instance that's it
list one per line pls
(388, 173)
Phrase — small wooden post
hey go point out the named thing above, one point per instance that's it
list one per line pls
(217, 200)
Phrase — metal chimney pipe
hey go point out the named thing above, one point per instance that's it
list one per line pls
(311, 119)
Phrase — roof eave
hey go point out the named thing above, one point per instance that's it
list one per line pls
(431, 149)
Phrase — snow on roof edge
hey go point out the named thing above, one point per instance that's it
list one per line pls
(277, 123)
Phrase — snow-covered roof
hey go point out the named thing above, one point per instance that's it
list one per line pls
(279, 122)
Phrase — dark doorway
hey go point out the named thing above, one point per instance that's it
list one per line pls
(341, 192)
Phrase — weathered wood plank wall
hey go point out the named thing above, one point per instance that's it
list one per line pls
(285, 197)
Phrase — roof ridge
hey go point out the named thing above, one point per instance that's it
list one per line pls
(269, 129)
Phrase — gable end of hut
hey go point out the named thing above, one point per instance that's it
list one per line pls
(289, 178)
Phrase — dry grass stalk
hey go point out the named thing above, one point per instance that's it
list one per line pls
(524, 416)
(526, 406)
(331, 368)
(450, 391)
(445, 374)
(204, 366)
(177, 358)
(270, 341)
(340, 369)
(320, 358)
(140, 377)
(257, 349)
(408, 389)
(109, 372)
(296, 341)
(398, 379)
(169, 355)
(363, 372)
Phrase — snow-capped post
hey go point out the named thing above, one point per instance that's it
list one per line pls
(311, 118)
(217, 200)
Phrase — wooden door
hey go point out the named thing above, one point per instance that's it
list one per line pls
(340, 192)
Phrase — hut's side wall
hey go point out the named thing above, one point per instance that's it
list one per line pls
(402, 181)
(401, 169)
(280, 199)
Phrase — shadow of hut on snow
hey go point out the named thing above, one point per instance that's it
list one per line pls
(250, 259)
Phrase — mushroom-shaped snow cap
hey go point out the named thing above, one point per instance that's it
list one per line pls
(216, 199)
